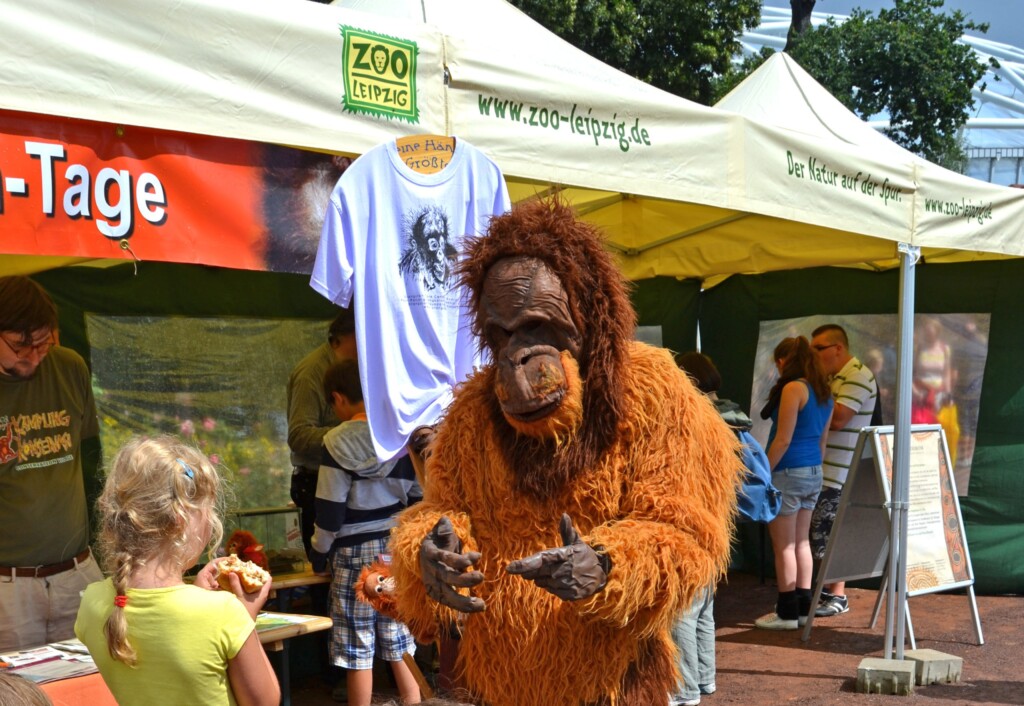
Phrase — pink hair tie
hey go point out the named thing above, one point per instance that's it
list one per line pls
(120, 601)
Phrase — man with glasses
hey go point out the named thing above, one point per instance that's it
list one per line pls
(49, 434)
(856, 394)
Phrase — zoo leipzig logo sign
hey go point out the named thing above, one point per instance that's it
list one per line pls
(380, 74)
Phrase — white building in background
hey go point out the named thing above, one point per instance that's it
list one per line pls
(994, 135)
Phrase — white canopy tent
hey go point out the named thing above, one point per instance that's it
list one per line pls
(994, 133)
(781, 93)
(682, 190)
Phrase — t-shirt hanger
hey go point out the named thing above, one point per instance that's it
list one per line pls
(426, 154)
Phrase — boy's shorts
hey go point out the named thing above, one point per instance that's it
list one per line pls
(360, 632)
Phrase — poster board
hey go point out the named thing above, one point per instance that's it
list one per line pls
(937, 557)
(858, 547)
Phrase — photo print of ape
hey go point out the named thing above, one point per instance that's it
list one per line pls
(428, 257)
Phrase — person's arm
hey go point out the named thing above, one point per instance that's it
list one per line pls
(305, 435)
(332, 489)
(90, 450)
(841, 416)
(252, 678)
(825, 430)
(789, 407)
(947, 369)
(850, 398)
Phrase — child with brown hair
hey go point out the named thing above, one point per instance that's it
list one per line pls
(800, 407)
(357, 498)
(156, 639)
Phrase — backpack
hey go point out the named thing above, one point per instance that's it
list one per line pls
(758, 500)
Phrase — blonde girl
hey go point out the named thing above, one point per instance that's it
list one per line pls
(800, 407)
(156, 639)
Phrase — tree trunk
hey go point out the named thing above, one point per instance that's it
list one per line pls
(801, 21)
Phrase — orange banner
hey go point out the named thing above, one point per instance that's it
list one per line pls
(84, 189)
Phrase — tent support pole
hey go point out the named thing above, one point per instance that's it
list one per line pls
(895, 616)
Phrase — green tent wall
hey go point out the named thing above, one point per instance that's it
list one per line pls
(992, 510)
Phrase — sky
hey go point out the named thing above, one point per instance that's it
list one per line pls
(1005, 17)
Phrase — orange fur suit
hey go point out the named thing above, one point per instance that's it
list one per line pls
(572, 418)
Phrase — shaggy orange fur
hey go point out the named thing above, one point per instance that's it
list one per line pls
(660, 501)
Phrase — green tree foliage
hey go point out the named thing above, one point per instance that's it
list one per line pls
(905, 62)
(676, 45)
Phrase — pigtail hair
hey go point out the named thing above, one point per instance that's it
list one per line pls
(116, 627)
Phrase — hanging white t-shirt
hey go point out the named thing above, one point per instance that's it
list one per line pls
(391, 238)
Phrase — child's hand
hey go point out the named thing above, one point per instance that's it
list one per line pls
(319, 562)
(253, 602)
(207, 576)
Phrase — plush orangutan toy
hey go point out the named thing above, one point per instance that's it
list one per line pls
(578, 492)
(247, 547)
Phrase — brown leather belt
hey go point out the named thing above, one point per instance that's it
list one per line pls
(43, 570)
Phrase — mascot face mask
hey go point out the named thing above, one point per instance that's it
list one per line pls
(527, 324)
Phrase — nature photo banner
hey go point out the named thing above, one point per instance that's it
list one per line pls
(93, 190)
(950, 351)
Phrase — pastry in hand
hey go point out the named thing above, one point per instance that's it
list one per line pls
(249, 575)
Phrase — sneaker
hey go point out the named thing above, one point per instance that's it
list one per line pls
(672, 701)
(802, 620)
(708, 688)
(772, 621)
(835, 605)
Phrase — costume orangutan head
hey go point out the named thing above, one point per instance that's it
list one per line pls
(553, 309)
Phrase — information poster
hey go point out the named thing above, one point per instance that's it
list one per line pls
(935, 547)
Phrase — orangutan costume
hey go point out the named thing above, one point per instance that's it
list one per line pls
(578, 492)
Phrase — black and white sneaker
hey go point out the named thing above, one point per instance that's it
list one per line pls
(834, 605)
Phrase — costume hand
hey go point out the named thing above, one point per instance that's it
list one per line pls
(443, 568)
(207, 576)
(571, 572)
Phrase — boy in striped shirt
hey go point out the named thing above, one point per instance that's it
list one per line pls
(357, 498)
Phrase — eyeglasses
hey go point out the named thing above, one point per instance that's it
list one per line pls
(821, 348)
(23, 351)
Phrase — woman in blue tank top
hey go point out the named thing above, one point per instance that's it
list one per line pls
(800, 407)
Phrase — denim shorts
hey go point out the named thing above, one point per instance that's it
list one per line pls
(799, 487)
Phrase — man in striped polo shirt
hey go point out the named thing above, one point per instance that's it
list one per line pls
(856, 394)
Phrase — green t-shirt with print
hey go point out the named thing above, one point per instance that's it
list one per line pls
(43, 420)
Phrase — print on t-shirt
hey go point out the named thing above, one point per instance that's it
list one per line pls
(36, 439)
(429, 255)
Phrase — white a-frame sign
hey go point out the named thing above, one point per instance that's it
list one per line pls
(858, 547)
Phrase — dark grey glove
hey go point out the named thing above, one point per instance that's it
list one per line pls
(571, 572)
(443, 566)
